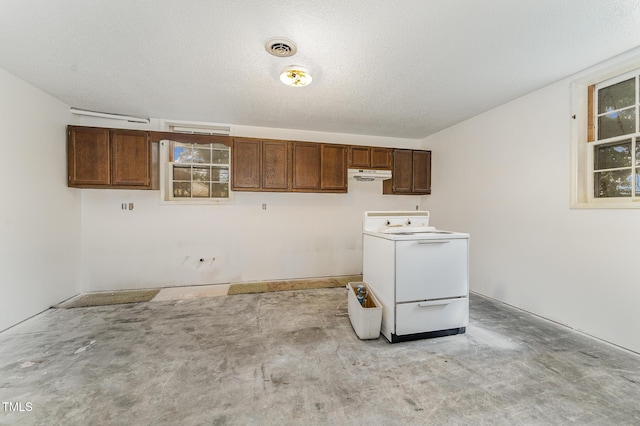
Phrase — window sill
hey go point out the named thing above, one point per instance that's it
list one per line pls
(192, 202)
(608, 204)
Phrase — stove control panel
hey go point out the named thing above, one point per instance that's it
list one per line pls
(379, 221)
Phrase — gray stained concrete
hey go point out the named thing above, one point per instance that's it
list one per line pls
(293, 358)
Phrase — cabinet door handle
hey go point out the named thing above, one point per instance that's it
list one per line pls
(433, 241)
(435, 303)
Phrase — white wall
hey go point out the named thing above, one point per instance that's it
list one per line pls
(503, 176)
(297, 236)
(40, 216)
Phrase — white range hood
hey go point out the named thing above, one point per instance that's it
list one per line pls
(369, 174)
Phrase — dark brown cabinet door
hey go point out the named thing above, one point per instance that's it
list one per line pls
(422, 172)
(381, 158)
(334, 168)
(245, 164)
(402, 170)
(88, 156)
(275, 165)
(130, 158)
(305, 157)
(359, 156)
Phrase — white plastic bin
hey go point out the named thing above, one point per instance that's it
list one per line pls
(366, 320)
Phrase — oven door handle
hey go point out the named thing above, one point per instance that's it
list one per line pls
(433, 241)
(434, 303)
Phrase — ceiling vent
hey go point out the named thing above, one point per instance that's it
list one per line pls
(281, 47)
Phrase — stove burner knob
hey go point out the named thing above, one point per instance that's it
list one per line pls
(408, 222)
(387, 222)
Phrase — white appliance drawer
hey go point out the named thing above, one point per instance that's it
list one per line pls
(431, 269)
(432, 315)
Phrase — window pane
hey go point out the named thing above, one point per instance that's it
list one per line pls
(611, 156)
(637, 183)
(201, 155)
(220, 156)
(178, 150)
(182, 189)
(200, 189)
(201, 174)
(637, 152)
(185, 154)
(182, 173)
(182, 152)
(617, 123)
(220, 175)
(615, 183)
(617, 96)
(220, 190)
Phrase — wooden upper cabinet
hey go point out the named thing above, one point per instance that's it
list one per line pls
(411, 173)
(422, 172)
(402, 170)
(88, 156)
(333, 159)
(275, 165)
(365, 157)
(381, 158)
(359, 157)
(245, 163)
(305, 157)
(104, 158)
(130, 158)
(260, 165)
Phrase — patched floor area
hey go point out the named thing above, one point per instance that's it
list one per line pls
(194, 292)
(109, 298)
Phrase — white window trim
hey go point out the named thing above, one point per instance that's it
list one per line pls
(581, 155)
(165, 175)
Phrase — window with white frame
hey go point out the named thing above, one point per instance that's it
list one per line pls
(613, 137)
(195, 172)
(605, 142)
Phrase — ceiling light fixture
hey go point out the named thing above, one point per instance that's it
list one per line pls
(295, 76)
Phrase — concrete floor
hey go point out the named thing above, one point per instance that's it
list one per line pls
(293, 358)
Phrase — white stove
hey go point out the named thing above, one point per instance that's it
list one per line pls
(419, 274)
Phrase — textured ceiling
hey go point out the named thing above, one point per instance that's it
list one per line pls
(381, 67)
